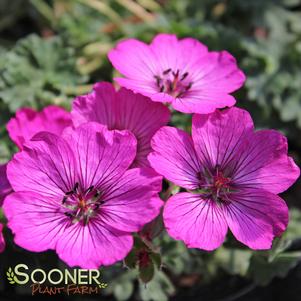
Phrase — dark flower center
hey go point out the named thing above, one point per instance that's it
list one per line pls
(173, 83)
(215, 185)
(81, 204)
(220, 185)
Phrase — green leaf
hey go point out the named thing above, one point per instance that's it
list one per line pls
(293, 230)
(146, 273)
(37, 72)
(156, 259)
(262, 271)
(159, 289)
(123, 290)
(131, 259)
(234, 261)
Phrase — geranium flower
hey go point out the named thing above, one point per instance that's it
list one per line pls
(180, 72)
(25, 125)
(5, 187)
(122, 110)
(28, 122)
(232, 175)
(75, 194)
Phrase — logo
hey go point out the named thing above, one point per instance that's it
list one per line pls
(10, 276)
(56, 281)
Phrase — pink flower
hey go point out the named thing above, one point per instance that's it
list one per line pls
(122, 110)
(75, 194)
(25, 125)
(2, 241)
(232, 175)
(5, 187)
(28, 122)
(181, 72)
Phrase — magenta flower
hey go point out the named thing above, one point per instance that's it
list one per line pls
(233, 175)
(5, 187)
(122, 110)
(181, 72)
(25, 125)
(28, 122)
(2, 241)
(75, 194)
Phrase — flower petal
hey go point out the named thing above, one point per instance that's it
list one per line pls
(191, 51)
(5, 187)
(35, 220)
(45, 166)
(99, 106)
(2, 241)
(93, 245)
(255, 216)
(202, 103)
(122, 110)
(167, 51)
(200, 223)
(174, 157)
(146, 88)
(262, 162)
(143, 118)
(28, 122)
(218, 72)
(177, 54)
(133, 200)
(217, 136)
(102, 156)
(134, 59)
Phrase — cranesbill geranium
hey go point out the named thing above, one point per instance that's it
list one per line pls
(28, 122)
(181, 72)
(232, 175)
(75, 194)
(122, 110)
(25, 125)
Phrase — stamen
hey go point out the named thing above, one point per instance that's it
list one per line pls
(184, 75)
(64, 199)
(215, 185)
(176, 74)
(97, 205)
(158, 80)
(69, 192)
(75, 187)
(90, 189)
(173, 82)
(97, 194)
(188, 87)
(82, 204)
(86, 220)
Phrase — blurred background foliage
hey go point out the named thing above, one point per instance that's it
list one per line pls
(52, 50)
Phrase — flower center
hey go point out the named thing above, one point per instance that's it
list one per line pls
(220, 185)
(173, 83)
(215, 186)
(81, 204)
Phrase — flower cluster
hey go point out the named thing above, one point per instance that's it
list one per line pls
(84, 181)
